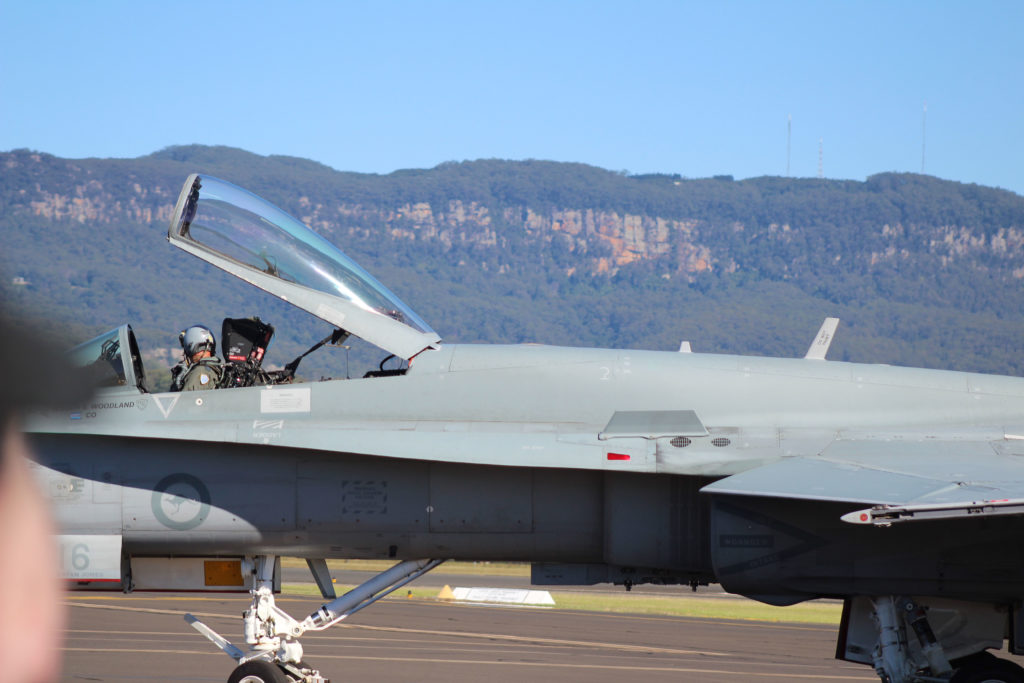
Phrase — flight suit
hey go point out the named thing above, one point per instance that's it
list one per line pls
(204, 374)
(178, 373)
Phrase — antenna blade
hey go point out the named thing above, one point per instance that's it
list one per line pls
(819, 347)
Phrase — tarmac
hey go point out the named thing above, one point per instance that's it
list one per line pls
(144, 637)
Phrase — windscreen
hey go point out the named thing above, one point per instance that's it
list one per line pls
(99, 360)
(237, 224)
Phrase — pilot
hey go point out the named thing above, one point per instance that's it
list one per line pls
(202, 369)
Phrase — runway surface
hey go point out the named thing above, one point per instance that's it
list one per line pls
(115, 637)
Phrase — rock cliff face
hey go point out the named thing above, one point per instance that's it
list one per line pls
(91, 203)
(589, 240)
(604, 240)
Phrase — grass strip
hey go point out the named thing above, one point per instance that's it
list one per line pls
(674, 606)
(450, 567)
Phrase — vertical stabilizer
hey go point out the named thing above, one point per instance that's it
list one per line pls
(823, 340)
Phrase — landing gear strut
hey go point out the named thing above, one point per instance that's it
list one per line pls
(274, 654)
(910, 640)
(892, 656)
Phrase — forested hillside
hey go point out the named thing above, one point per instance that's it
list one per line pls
(922, 271)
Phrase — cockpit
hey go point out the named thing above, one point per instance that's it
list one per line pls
(255, 241)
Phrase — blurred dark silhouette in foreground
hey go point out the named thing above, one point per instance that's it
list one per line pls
(33, 376)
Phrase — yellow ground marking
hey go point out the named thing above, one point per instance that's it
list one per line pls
(453, 646)
(431, 603)
(169, 598)
(137, 651)
(459, 634)
(546, 641)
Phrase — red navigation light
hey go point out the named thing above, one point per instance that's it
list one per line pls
(618, 456)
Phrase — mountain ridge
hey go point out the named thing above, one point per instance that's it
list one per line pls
(554, 252)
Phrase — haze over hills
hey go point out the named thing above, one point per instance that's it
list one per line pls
(922, 271)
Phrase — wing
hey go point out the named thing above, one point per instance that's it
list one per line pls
(902, 479)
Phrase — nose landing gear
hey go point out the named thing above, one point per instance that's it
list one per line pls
(274, 654)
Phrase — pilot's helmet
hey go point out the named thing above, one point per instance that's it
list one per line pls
(195, 339)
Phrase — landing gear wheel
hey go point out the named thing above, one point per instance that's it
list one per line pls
(273, 633)
(986, 668)
(258, 672)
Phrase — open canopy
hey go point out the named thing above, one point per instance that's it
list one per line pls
(254, 240)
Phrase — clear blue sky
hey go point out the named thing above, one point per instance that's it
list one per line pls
(698, 89)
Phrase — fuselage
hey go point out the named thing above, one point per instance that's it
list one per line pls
(576, 391)
(478, 452)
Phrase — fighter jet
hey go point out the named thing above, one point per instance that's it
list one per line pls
(899, 491)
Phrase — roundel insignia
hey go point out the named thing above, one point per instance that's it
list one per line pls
(180, 501)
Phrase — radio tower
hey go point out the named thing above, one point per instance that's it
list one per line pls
(789, 140)
(821, 157)
(924, 129)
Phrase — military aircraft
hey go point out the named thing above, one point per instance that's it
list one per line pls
(898, 490)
